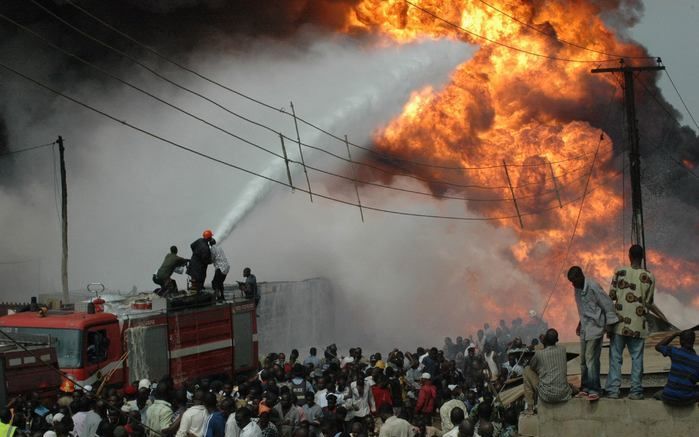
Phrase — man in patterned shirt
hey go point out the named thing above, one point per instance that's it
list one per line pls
(632, 292)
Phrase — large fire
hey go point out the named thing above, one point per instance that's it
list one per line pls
(530, 113)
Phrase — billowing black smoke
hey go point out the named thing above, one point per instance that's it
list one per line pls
(175, 27)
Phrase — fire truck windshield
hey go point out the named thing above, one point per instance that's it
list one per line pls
(68, 343)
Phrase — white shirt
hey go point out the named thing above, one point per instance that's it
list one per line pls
(364, 404)
(340, 398)
(321, 399)
(422, 357)
(193, 420)
(79, 423)
(219, 259)
(445, 413)
(396, 427)
(453, 433)
(490, 359)
(232, 429)
(250, 430)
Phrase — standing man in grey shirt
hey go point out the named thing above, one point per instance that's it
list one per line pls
(596, 311)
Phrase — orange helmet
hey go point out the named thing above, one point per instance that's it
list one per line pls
(68, 386)
(207, 234)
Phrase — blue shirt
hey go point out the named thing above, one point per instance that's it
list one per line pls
(216, 426)
(684, 374)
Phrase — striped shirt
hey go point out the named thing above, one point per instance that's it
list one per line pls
(552, 367)
(684, 374)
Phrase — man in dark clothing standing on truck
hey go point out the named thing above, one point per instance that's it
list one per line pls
(201, 258)
(249, 287)
(163, 276)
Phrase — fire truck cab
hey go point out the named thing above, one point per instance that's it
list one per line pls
(187, 338)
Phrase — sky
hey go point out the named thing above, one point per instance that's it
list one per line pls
(669, 30)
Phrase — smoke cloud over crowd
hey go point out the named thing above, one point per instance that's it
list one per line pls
(352, 68)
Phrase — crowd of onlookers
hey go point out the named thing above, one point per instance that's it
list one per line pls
(456, 391)
(426, 392)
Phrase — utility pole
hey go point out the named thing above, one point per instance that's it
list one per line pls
(638, 235)
(64, 221)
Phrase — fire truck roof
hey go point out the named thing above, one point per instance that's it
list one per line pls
(65, 320)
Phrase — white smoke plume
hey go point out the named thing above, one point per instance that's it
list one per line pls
(380, 78)
(399, 281)
(131, 197)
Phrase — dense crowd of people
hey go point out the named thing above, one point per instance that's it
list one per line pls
(426, 392)
(452, 391)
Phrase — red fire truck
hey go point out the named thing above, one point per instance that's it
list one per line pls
(187, 338)
(22, 368)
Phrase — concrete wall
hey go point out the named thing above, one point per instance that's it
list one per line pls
(611, 418)
(296, 315)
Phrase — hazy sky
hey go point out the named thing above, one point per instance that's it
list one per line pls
(669, 30)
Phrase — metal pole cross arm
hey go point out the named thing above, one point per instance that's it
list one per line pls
(512, 191)
(354, 173)
(298, 140)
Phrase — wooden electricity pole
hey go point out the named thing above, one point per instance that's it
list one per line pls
(64, 221)
(638, 235)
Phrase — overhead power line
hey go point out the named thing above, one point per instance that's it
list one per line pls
(253, 173)
(14, 263)
(561, 40)
(26, 149)
(686, 108)
(109, 74)
(65, 376)
(442, 182)
(277, 155)
(669, 155)
(669, 113)
(446, 196)
(575, 228)
(341, 139)
(132, 59)
(580, 210)
(565, 260)
(502, 44)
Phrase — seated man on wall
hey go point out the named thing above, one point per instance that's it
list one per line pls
(681, 388)
(546, 375)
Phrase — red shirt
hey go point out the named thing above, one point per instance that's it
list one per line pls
(426, 399)
(382, 396)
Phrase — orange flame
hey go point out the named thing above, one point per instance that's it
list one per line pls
(689, 164)
(531, 114)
